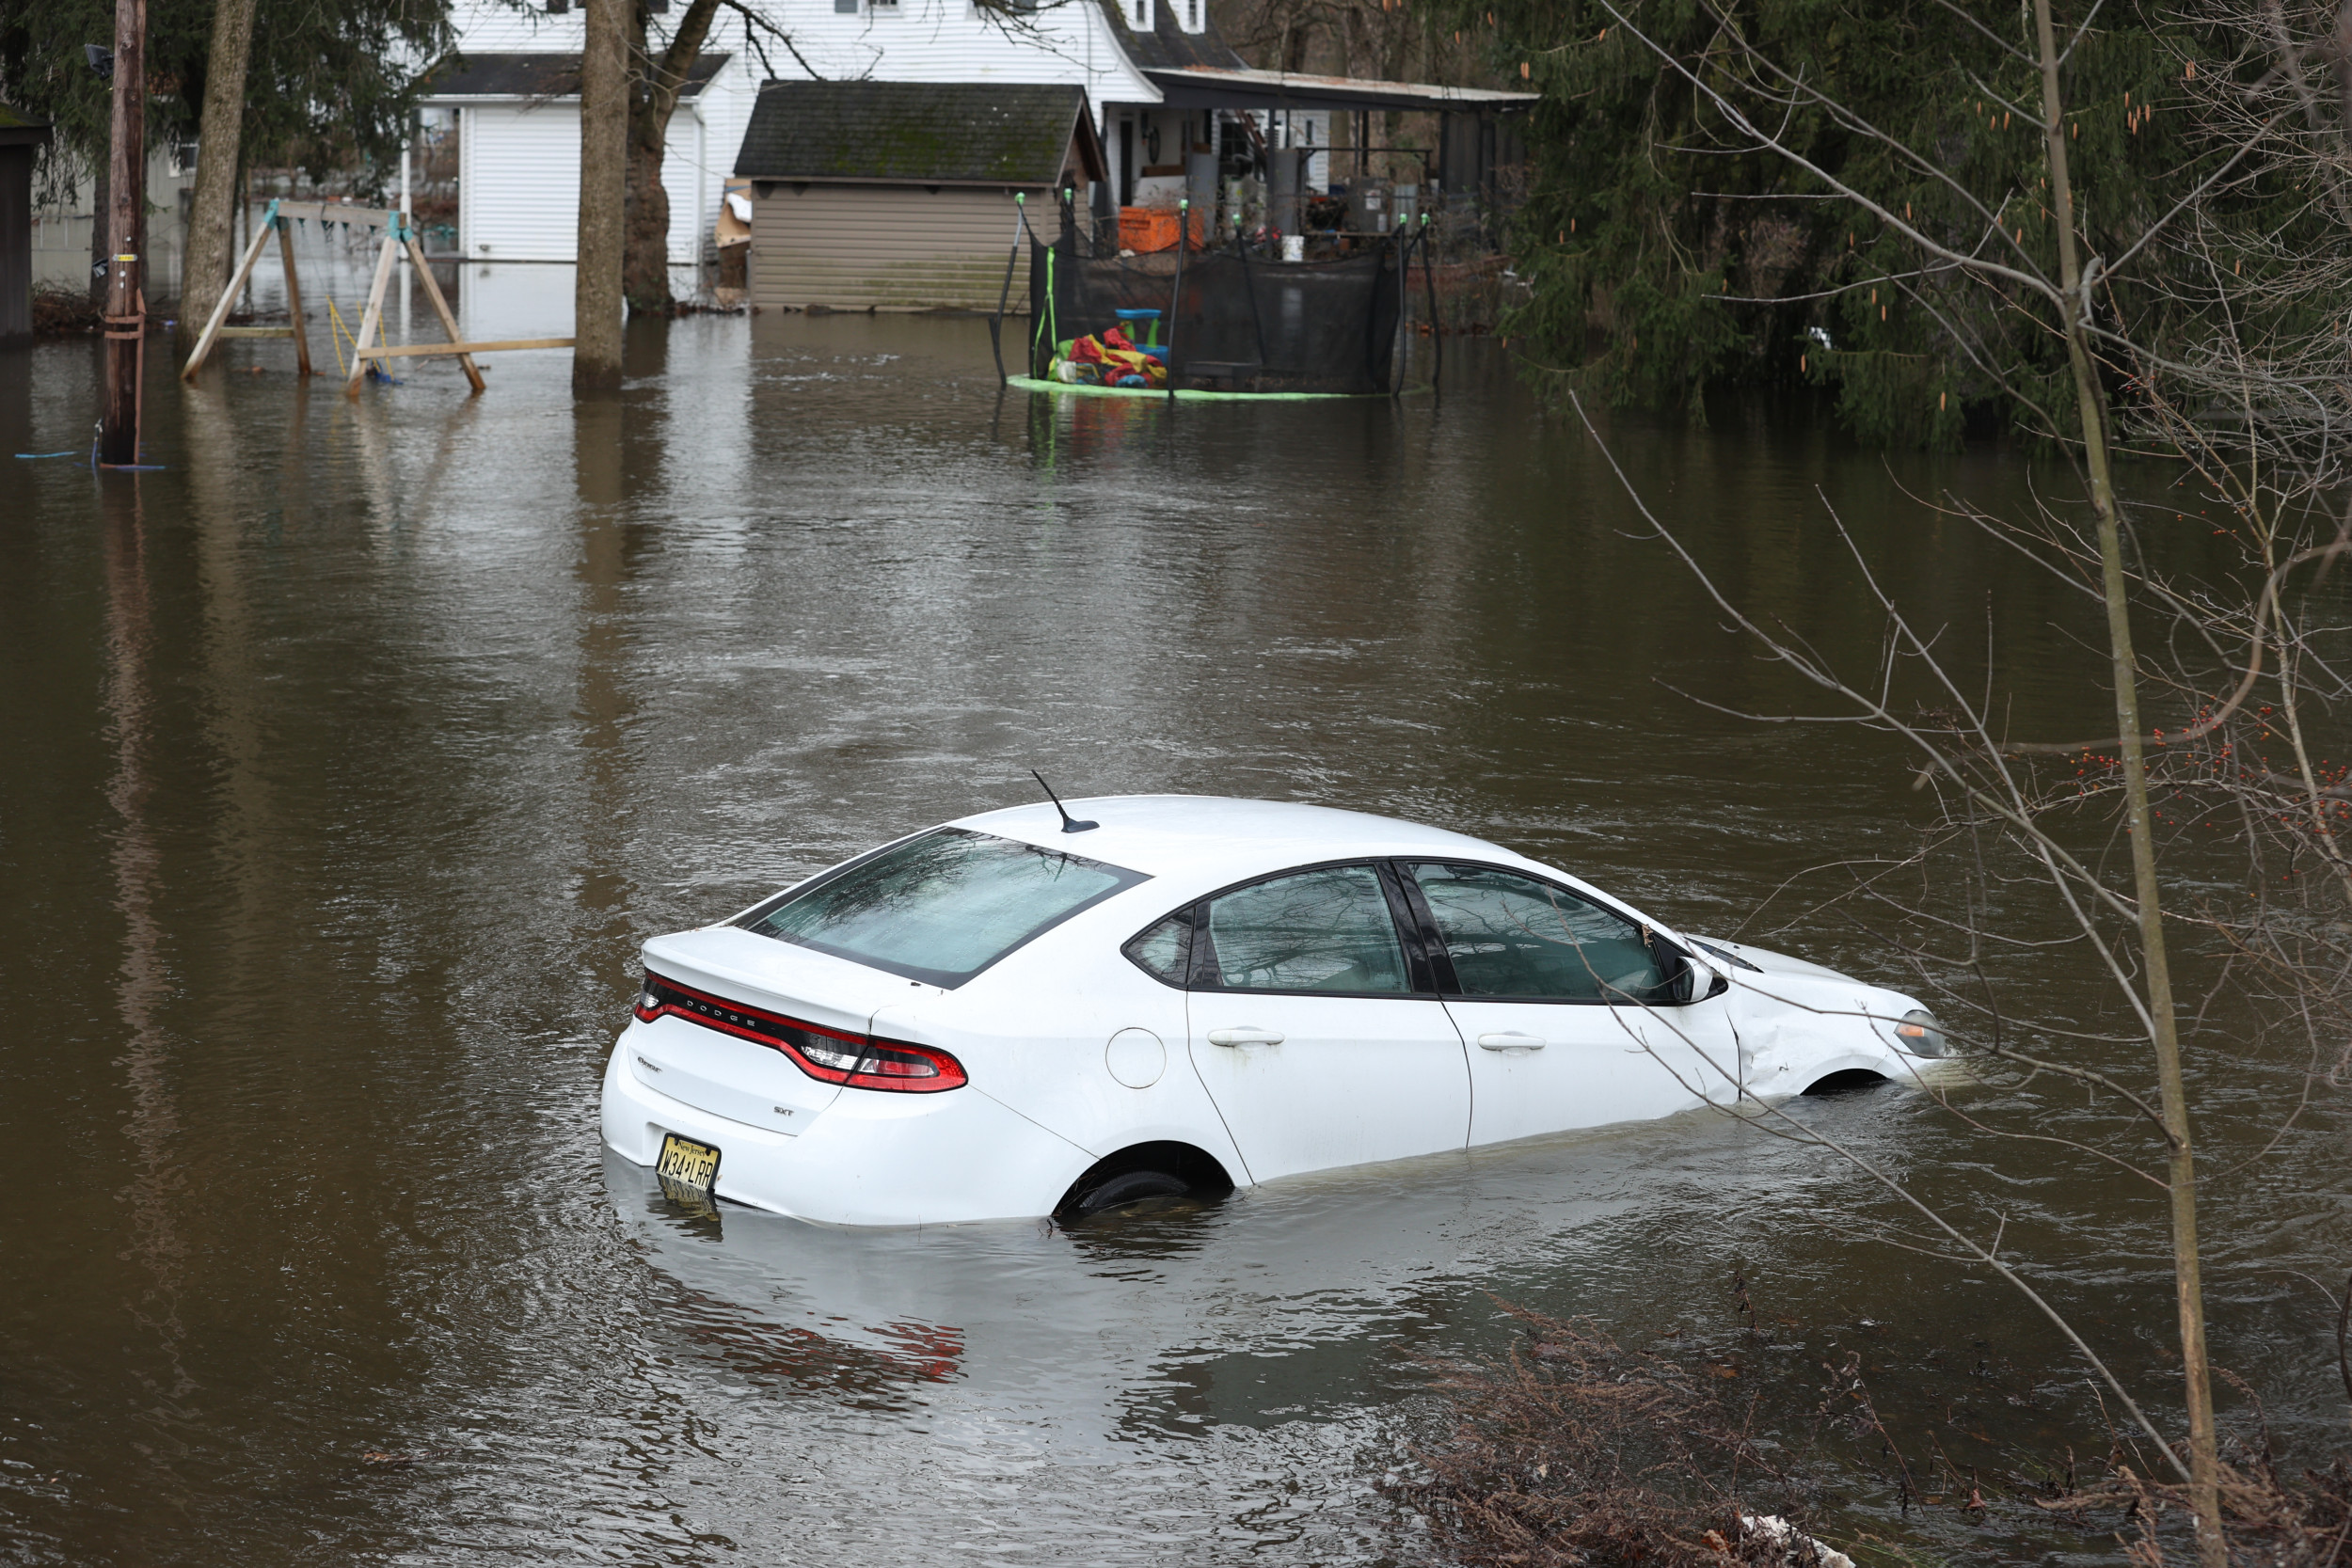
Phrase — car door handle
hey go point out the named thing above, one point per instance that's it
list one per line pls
(1511, 1040)
(1245, 1034)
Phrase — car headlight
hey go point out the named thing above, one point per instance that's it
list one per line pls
(1920, 1035)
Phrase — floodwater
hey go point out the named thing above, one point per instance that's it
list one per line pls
(352, 754)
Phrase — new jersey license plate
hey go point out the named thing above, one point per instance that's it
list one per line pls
(688, 1165)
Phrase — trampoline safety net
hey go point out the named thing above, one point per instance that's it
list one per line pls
(1231, 321)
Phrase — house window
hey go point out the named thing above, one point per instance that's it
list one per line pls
(1140, 15)
(1192, 16)
(557, 8)
(845, 8)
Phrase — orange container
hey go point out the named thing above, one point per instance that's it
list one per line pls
(1144, 229)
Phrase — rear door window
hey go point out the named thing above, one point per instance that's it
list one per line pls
(1513, 936)
(1327, 930)
(940, 907)
(1164, 951)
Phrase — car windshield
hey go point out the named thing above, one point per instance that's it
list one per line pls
(942, 906)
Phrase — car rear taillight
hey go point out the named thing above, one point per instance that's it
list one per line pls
(829, 1055)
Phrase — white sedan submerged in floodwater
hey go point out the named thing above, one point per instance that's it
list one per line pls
(1020, 1013)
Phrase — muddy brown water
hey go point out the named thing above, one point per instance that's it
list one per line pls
(351, 756)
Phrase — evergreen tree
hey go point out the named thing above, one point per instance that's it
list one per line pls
(1669, 257)
(329, 85)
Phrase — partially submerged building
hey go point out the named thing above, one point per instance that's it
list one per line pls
(516, 118)
(1174, 111)
(906, 195)
(21, 141)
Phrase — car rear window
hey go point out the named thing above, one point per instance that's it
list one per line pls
(940, 907)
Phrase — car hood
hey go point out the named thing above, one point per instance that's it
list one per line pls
(1777, 977)
(1770, 962)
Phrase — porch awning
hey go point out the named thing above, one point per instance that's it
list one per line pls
(1218, 87)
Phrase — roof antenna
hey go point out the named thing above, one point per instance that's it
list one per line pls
(1068, 824)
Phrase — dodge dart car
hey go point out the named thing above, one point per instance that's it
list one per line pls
(1047, 1011)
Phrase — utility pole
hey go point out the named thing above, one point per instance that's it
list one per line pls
(126, 204)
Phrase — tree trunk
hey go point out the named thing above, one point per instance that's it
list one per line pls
(654, 85)
(212, 222)
(2204, 1461)
(603, 184)
(645, 274)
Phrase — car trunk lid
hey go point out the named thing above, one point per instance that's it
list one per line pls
(723, 988)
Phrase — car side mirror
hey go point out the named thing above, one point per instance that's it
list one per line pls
(1699, 981)
(1687, 977)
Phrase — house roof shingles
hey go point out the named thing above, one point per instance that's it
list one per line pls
(914, 133)
(1167, 47)
(547, 76)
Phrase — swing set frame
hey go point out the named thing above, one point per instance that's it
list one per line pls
(400, 237)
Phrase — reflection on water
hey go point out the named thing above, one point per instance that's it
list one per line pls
(153, 1120)
(355, 753)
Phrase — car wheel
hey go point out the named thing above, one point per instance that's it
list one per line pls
(1132, 1186)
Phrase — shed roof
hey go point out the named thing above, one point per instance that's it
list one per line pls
(547, 76)
(18, 129)
(918, 132)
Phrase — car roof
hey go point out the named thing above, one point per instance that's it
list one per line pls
(1216, 840)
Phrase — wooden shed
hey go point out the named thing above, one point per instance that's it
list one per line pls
(899, 196)
(21, 141)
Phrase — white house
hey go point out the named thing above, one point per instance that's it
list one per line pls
(1131, 57)
(511, 94)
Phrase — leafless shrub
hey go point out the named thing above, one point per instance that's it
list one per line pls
(61, 311)
(2271, 1518)
(2193, 337)
(1575, 1450)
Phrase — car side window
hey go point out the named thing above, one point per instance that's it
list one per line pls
(1322, 930)
(1164, 951)
(1510, 935)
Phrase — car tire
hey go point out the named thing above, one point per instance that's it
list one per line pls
(1130, 1186)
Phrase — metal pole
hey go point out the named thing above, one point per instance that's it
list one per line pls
(126, 203)
(1176, 294)
(404, 224)
(1436, 327)
(996, 323)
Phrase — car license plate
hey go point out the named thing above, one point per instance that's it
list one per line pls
(688, 1165)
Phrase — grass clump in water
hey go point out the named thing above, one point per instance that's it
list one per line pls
(1573, 1449)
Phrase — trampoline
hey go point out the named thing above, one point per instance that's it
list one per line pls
(1233, 323)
